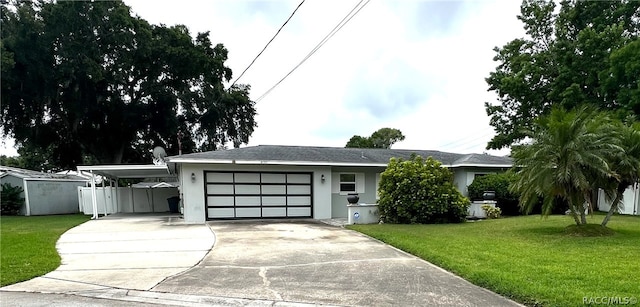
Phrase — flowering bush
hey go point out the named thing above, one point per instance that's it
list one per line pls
(491, 211)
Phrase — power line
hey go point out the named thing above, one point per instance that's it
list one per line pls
(335, 29)
(466, 139)
(468, 147)
(267, 45)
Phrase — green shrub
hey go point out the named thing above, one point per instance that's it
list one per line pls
(11, 201)
(419, 191)
(506, 200)
(491, 212)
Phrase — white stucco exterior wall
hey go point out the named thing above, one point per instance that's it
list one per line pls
(192, 192)
(464, 176)
(460, 181)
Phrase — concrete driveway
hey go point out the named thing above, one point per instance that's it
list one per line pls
(317, 263)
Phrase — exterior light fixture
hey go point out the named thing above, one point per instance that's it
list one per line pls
(193, 177)
(322, 178)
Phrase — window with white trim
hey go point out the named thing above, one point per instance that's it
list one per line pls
(478, 175)
(347, 183)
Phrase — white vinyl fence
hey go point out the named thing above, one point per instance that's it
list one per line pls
(125, 199)
(630, 201)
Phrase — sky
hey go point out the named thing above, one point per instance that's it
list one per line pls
(414, 65)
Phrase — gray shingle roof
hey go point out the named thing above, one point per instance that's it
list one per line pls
(26, 173)
(336, 156)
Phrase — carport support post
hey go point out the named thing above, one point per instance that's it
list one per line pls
(94, 199)
(153, 208)
(117, 196)
(104, 196)
(111, 193)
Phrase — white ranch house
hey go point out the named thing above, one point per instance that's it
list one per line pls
(270, 181)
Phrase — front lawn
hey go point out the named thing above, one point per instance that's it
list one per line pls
(528, 258)
(28, 245)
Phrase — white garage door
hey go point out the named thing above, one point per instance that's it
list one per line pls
(233, 195)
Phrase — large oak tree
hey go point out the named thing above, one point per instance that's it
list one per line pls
(582, 53)
(88, 81)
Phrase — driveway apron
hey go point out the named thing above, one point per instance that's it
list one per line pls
(317, 263)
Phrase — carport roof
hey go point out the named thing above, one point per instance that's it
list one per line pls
(333, 156)
(31, 174)
(128, 171)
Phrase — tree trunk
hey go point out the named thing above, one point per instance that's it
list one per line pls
(614, 206)
(117, 156)
(583, 216)
(574, 214)
(589, 200)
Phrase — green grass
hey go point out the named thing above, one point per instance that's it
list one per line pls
(28, 245)
(532, 260)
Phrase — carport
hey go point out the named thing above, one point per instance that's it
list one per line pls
(115, 172)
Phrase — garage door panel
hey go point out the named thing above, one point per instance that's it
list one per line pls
(299, 212)
(219, 177)
(274, 201)
(273, 178)
(247, 177)
(217, 201)
(219, 188)
(298, 178)
(221, 213)
(248, 212)
(247, 189)
(248, 201)
(299, 189)
(274, 189)
(274, 212)
(299, 200)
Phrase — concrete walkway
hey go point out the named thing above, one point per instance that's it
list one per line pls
(123, 252)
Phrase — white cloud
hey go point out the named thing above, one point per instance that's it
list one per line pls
(7, 147)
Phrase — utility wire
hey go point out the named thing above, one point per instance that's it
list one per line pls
(466, 139)
(267, 45)
(335, 29)
(465, 147)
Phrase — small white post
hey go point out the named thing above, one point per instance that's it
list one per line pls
(132, 199)
(117, 196)
(25, 190)
(104, 196)
(153, 208)
(94, 199)
(111, 194)
(636, 198)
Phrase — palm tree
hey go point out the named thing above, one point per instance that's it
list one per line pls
(567, 153)
(626, 166)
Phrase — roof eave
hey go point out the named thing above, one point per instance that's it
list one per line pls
(55, 179)
(275, 162)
